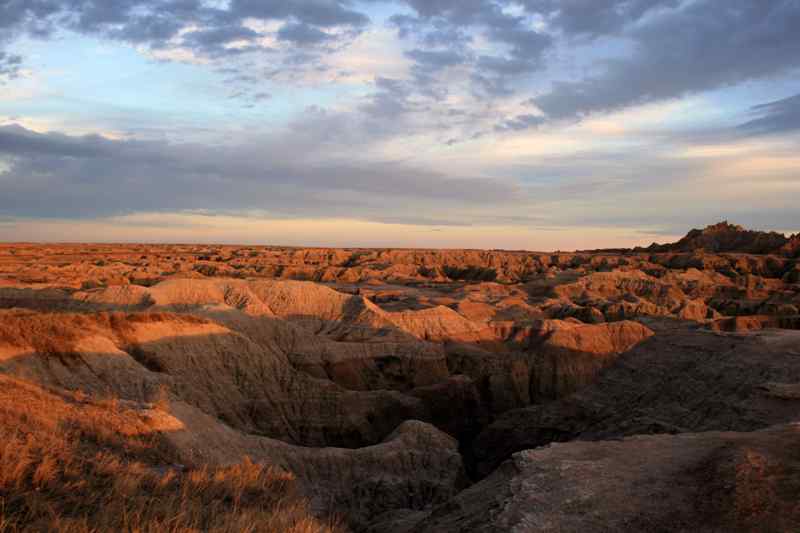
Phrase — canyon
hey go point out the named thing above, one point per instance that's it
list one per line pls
(404, 390)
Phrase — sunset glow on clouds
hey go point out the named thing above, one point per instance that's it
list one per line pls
(536, 124)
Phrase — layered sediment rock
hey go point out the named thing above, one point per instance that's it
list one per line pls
(386, 381)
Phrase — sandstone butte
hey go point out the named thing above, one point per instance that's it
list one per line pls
(230, 388)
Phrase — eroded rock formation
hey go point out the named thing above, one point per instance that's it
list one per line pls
(443, 390)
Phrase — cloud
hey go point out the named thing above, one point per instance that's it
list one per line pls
(698, 46)
(323, 13)
(435, 60)
(486, 50)
(448, 29)
(10, 65)
(595, 18)
(303, 34)
(181, 24)
(391, 99)
(20, 142)
(781, 116)
(521, 122)
(53, 174)
(188, 227)
(315, 169)
(216, 41)
(250, 99)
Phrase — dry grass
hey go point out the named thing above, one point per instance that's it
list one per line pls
(55, 334)
(73, 465)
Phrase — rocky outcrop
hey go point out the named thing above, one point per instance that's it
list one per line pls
(682, 379)
(229, 397)
(414, 467)
(503, 379)
(621, 284)
(704, 482)
(748, 323)
(792, 248)
(570, 355)
(725, 237)
(247, 385)
(439, 324)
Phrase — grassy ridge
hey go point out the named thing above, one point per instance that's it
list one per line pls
(71, 464)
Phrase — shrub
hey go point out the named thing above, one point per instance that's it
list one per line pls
(206, 270)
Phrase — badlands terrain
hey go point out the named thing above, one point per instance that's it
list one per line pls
(236, 388)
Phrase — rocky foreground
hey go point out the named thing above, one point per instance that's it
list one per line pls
(655, 389)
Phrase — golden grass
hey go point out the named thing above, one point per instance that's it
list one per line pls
(73, 465)
(55, 334)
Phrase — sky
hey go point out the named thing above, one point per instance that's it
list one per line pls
(525, 124)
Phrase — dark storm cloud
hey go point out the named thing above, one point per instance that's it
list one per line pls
(59, 175)
(774, 117)
(701, 46)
